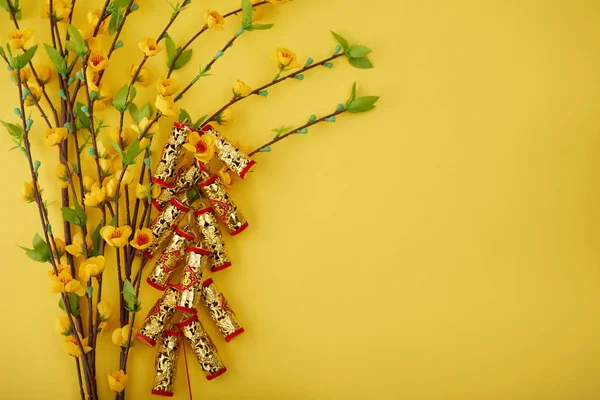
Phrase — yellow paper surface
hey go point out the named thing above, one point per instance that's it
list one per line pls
(442, 246)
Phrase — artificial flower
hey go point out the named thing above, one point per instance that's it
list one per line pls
(141, 127)
(63, 174)
(225, 177)
(104, 98)
(142, 191)
(214, 20)
(120, 336)
(149, 47)
(98, 62)
(91, 79)
(167, 86)
(71, 345)
(87, 31)
(34, 96)
(88, 182)
(65, 283)
(27, 192)
(111, 188)
(142, 239)
(93, 266)
(44, 73)
(127, 178)
(286, 58)
(59, 268)
(60, 247)
(127, 136)
(55, 136)
(203, 147)
(225, 116)
(166, 106)
(240, 89)
(116, 236)
(96, 196)
(20, 39)
(143, 76)
(106, 167)
(61, 10)
(62, 326)
(76, 246)
(24, 74)
(105, 310)
(117, 380)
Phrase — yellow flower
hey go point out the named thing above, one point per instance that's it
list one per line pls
(142, 239)
(44, 73)
(91, 79)
(65, 283)
(63, 175)
(20, 39)
(225, 117)
(104, 98)
(55, 136)
(105, 310)
(111, 188)
(143, 77)
(93, 266)
(117, 380)
(62, 326)
(60, 8)
(116, 236)
(76, 247)
(127, 177)
(166, 106)
(24, 74)
(214, 20)
(167, 86)
(203, 146)
(240, 89)
(96, 196)
(141, 127)
(71, 346)
(35, 94)
(142, 191)
(27, 193)
(60, 247)
(120, 336)
(106, 167)
(243, 147)
(87, 31)
(286, 58)
(225, 177)
(127, 136)
(149, 47)
(88, 182)
(98, 62)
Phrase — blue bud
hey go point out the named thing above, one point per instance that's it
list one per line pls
(25, 93)
(219, 54)
(263, 93)
(147, 162)
(79, 75)
(68, 126)
(328, 65)
(338, 48)
(9, 68)
(62, 95)
(312, 118)
(71, 80)
(299, 77)
(330, 119)
(93, 95)
(29, 124)
(308, 62)
(340, 107)
(36, 165)
(91, 152)
(135, 7)
(240, 31)
(303, 131)
(265, 149)
(119, 44)
(17, 112)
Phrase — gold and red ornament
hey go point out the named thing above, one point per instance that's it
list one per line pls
(190, 285)
(220, 311)
(170, 259)
(159, 317)
(202, 346)
(213, 238)
(166, 362)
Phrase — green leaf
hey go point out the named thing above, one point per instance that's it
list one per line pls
(343, 42)
(77, 44)
(4, 4)
(198, 123)
(361, 62)
(14, 130)
(248, 14)
(124, 97)
(192, 195)
(133, 151)
(146, 111)
(57, 59)
(171, 50)
(259, 27)
(358, 51)
(36, 255)
(83, 121)
(76, 217)
(134, 112)
(40, 244)
(362, 104)
(183, 115)
(131, 301)
(73, 304)
(183, 59)
(116, 17)
(117, 148)
(352, 95)
(21, 61)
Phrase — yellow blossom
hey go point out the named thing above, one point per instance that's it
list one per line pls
(60, 8)
(117, 380)
(93, 266)
(258, 11)
(24, 74)
(127, 177)
(65, 283)
(88, 182)
(60, 247)
(203, 146)
(44, 73)
(111, 188)
(20, 39)
(76, 246)
(142, 239)
(225, 117)
(104, 98)
(96, 196)
(105, 310)
(225, 177)
(106, 167)
(63, 175)
(286, 58)
(120, 336)
(35, 94)
(27, 193)
(71, 345)
(149, 47)
(240, 89)
(116, 236)
(166, 106)
(91, 79)
(167, 86)
(128, 135)
(214, 20)
(141, 127)
(87, 31)
(142, 191)
(98, 62)
(62, 326)
(55, 136)
(243, 147)
(144, 76)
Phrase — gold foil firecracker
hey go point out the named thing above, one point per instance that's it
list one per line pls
(161, 226)
(213, 239)
(203, 347)
(169, 159)
(159, 316)
(235, 159)
(187, 177)
(170, 259)
(224, 207)
(166, 363)
(220, 311)
(190, 285)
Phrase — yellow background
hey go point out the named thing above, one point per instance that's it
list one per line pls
(442, 246)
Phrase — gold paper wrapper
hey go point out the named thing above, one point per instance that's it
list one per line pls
(207, 222)
(159, 316)
(169, 159)
(224, 207)
(186, 178)
(235, 159)
(170, 259)
(190, 285)
(220, 311)
(161, 227)
(203, 347)
(166, 363)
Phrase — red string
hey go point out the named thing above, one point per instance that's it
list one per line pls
(187, 372)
